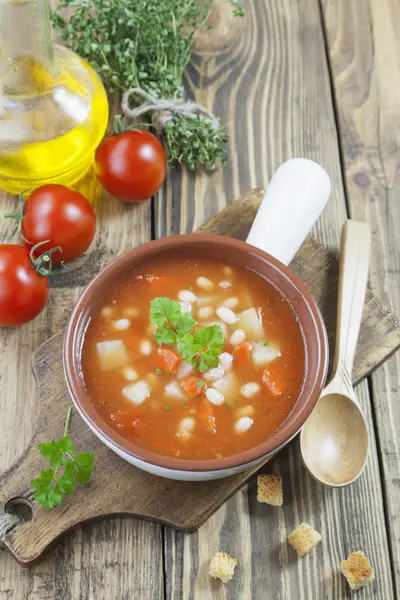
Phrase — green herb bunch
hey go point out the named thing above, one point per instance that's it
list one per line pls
(67, 469)
(198, 346)
(146, 44)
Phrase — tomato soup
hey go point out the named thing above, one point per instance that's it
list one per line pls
(151, 396)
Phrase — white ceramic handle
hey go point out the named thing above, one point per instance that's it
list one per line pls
(355, 253)
(296, 196)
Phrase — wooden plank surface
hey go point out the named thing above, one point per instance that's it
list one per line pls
(278, 104)
(267, 77)
(364, 48)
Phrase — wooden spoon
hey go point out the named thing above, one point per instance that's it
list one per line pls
(334, 441)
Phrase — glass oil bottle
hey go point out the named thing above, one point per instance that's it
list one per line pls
(53, 106)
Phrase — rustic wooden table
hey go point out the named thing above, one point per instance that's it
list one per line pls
(293, 78)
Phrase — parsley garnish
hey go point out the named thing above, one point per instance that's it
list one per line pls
(159, 372)
(167, 407)
(200, 384)
(266, 344)
(51, 486)
(200, 347)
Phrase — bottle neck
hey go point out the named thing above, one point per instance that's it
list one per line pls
(26, 51)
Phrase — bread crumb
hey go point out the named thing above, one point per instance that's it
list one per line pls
(222, 566)
(357, 570)
(303, 539)
(270, 489)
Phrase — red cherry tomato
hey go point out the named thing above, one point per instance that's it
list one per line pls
(23, 291)
(131, 166)
(63, 216)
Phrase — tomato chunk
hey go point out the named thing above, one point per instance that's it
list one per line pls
(242, 353)
(194, 387)
(168, 360)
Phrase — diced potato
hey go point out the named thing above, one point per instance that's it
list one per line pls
(262, 355)
(228, 385)
(228, 272)
(214, 374)
(185, 428)
(250, 322)
(173, 390)
(112, 354)
(184, 370)
(137, 392)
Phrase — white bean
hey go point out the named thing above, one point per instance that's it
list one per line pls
(227, 315)
(232, 302)
(122, 324)
(129, 373)
(227, 271)
(250, 389)
(187, 296)
(225, 285)
(237, 337)
(186, 307)
(131, 312)
(204, 283)
(187, 424)
(184, 370)
(214, 374)
(214, 396)
(137, 392)
(225, 361)
(106, 312)
(205, 312)
(245, 411)
(145, 347)
(243, 424)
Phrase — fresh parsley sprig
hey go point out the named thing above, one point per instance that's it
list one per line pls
(198, 346)
(67, 469)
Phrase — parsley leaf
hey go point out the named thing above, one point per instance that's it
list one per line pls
(163, 309)
(203, 347)
(52, 485)
(165, 335)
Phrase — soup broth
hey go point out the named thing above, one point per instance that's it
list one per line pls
(150, 396)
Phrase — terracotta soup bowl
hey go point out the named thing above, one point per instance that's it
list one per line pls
(295, 197)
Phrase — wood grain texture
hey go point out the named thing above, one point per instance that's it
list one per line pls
(267, 77)
(116, 487)
(364, 47)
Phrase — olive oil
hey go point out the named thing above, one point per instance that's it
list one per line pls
(53, 106)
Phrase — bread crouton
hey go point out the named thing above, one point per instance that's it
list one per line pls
(270, 490)
(303, 539)
(357, 570)
(222, 566)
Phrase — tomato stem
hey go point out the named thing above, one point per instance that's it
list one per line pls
(119, 127)
(39, 263)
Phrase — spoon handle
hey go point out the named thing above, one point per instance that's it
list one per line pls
(355, 251)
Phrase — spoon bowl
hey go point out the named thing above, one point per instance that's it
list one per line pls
(334, 441)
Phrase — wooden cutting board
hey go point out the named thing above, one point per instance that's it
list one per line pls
(116, 487)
